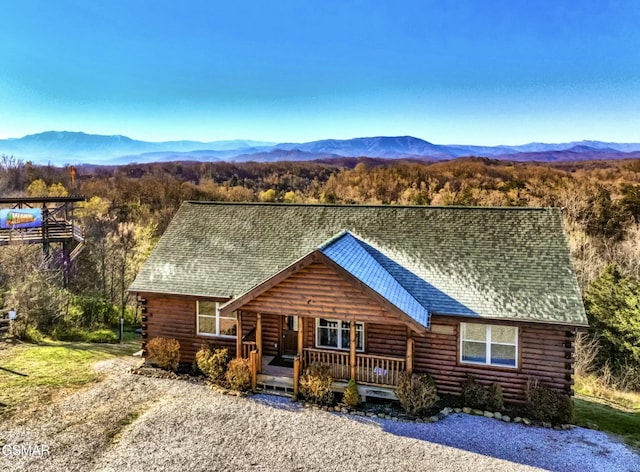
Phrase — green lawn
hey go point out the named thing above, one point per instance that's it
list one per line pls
(30, 373)
(617, 420)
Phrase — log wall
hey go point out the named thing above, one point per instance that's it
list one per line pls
(385, 340)
(175, 317)
(317, 291)
(545, 353)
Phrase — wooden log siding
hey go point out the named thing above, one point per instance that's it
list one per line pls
(386, 340)
(317, 291)
(544, 353)
(175, 317)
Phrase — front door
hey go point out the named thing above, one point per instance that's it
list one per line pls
(289, 336)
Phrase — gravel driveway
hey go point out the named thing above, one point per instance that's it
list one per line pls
(135, 423)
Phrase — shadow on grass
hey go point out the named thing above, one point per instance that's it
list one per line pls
(124, 349)
(623, 423)
(13, 372)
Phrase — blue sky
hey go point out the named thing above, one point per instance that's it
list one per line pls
(470, 72)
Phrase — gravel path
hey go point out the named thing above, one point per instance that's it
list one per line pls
(134, 423)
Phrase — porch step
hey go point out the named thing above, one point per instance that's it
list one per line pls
(284, 385)
(275, 385)
(365, 391)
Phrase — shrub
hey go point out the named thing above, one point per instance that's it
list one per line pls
(495, 398)
(239, 375)
(102, 336)
(71, 334)
(351, 396)
(213, 362)
(416, 392)
(164, 352)
(548, 405)
(316, 383)
(474, 395)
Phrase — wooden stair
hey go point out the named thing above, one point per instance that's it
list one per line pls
(4, 326)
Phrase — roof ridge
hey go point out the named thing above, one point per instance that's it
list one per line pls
(338, 205)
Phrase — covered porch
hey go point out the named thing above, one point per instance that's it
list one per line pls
(358, 321)
(275, 365)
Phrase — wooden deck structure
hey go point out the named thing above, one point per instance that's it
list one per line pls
(58, 226)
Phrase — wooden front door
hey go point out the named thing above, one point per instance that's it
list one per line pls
(289, 344)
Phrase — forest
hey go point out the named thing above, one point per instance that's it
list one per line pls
(128, 207)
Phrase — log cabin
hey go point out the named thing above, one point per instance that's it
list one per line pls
(370, 291)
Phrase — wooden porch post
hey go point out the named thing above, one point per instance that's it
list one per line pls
(296, 376)
(352, 348)
(410, 343)
(253, 365)
(239, 336)
(259, 340)
(301, 322)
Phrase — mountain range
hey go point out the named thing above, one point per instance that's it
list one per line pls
(66, 147)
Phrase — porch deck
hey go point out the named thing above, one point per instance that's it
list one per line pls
(280, 379)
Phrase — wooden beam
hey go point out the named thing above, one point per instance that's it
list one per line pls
(301, 322)
(259, 340)
(296, 376)
(239, 336)
(253, 365)
(410, 355)
(352, 348)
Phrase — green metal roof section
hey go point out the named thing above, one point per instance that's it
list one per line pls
(504, 263)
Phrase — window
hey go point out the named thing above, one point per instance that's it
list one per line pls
(210, 323)
(489, 344)
(335, 334)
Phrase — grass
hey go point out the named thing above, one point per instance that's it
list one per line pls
(31, 373)
(611, 410)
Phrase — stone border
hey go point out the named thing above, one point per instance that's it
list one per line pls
(155, 372)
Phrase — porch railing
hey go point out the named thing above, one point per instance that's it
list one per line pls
(370, 369)
(247, 347)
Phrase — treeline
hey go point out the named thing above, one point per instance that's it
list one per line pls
(130, 206)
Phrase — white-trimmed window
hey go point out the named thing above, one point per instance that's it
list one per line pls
(210, 323)
(335, 334)
(489, 344)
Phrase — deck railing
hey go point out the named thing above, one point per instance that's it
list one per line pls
(247, 347)
(370, 369)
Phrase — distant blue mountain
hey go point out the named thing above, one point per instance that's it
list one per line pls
(65, 147)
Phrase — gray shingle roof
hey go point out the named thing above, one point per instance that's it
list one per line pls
(510, 263)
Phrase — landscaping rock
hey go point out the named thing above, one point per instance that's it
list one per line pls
(517, 419)
(488, 414)
(546, 424)
(477, 412)
(506, 418)
(526, 421)
(433, 419)
(337, 408)
(567, 427)
(345, 410)
(593, 426)
(497, 415)
(458, 410)
(467, 410)
(381, 415)
(370, 414)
